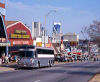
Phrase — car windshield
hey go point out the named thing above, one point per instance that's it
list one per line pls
(26, 54)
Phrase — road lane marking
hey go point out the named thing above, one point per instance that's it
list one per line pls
(37, 81)
(52, 68)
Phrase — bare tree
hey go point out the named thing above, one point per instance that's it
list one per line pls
(93, 32)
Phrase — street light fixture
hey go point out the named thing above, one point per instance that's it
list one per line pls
(45, 23)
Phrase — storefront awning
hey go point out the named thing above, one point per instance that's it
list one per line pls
(16, 48)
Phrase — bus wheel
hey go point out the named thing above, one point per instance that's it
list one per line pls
(38, 64)
(49, 64)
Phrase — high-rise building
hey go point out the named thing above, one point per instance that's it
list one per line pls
(57, 32)
(42, 31)
(57, 28)
(36, 29)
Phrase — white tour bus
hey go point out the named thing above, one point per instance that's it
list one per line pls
(35, 57)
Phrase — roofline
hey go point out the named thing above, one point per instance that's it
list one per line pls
(17, 23)
(11, 25)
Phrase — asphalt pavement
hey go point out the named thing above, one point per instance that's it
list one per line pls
(70, 72)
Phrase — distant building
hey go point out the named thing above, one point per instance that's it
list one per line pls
(18, 34)
(56, 38)
(37, 31)
(57, 28)
(56, 32)
(71, 39)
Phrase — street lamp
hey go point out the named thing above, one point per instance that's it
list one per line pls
(45, 23)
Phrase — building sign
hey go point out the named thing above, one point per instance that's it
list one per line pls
(4, 44)
(48, 45)
(13, 36)
(3, 40)
(20, 42)
(25, 36)
(20, 34)
(39, 44)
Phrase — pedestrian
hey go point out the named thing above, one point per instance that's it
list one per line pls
(9, 56)
(97, 58)
(3, 58)
(0, 61)
(94, 59)
(6, 59)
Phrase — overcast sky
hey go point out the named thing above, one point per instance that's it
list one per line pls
(73, 14)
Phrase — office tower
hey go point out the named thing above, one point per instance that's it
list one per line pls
(57, 28)
(36, 29)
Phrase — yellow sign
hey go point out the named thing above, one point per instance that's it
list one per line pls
(25, 36)
(20, 32)
(39, 44)
(48, 45)
(23, 32)
(19, 36)
(13, 36)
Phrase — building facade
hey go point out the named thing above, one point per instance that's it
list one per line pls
(18, 34)
(36, 29)
(71, 39)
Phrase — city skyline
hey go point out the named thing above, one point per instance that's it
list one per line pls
(73, 14)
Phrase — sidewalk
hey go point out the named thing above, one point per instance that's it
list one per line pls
(12, 66)
(7, 67)
(56, 63)
(4, 69)
(95, 78)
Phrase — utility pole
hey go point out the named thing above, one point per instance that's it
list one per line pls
(45, 24)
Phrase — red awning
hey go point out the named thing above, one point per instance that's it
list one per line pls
(78, 53)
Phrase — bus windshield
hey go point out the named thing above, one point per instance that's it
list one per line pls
(26, 54)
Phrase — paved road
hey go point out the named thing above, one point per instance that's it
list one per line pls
(71, 72)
